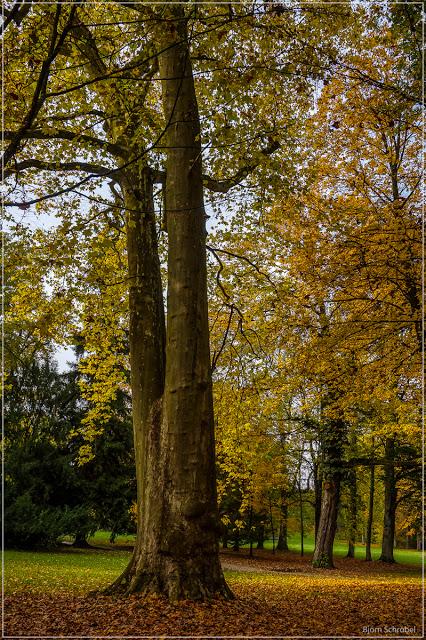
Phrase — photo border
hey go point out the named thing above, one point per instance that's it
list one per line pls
(188, 637)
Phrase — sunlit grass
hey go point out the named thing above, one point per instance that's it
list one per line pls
(79, 571)
(62, 571)
(340, 549)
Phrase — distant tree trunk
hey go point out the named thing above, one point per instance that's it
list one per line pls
(81, 541)
(370, 516)
(251, 531)
(318, 498)
(332, 451)
(271, 519)
(236, 542)
(411, 542)
(390, 503)
(352, 514)
(302, 525)
(282, 544)
(225, 537)
(260, 536)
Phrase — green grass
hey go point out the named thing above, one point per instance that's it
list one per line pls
(102, 538)
(79, 571)
(68, 570)
(404, 556)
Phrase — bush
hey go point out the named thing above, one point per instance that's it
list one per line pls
(29, 525)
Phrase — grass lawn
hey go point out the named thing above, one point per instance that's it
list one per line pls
(47, 595)
(62, 571)
(404, 556)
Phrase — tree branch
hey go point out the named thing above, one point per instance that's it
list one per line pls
(223, 186)
(39, 95)
(64, 134)
(16, 14)
(33, 163)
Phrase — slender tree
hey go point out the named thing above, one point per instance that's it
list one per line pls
(370, 515)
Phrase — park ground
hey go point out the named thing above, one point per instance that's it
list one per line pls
(276, 595)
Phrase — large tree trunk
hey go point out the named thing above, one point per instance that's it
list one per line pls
(147, 364)
(390, 503)
(370, 516)
(187, 563)
(282, 544)
(323, 555)
(177, 551)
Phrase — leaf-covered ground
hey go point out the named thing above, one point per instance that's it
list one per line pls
(277, 595)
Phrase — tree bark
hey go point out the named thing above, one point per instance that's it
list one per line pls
(323, 555)
(282, 544)
(333, 436)
(187, 563)
(147, 364)
(370, 516)
(177, 548)
(390, 503)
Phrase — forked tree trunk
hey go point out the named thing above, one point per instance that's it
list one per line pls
(282, 544)
(390, 503)
(370, 517)
(176, 551)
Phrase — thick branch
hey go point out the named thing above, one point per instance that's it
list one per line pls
(63, 134)
(33, 163)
